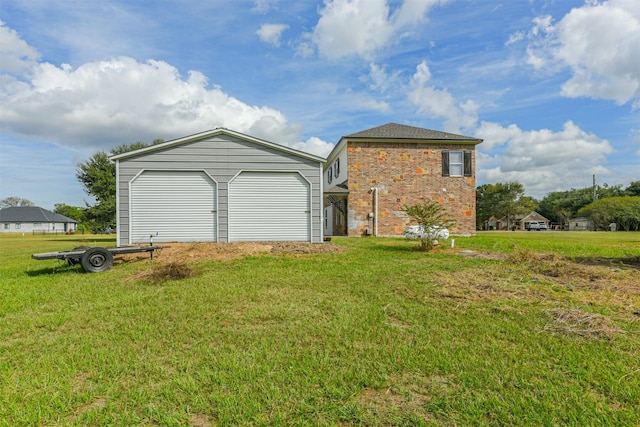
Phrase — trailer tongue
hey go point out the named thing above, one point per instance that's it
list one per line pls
(96, 259)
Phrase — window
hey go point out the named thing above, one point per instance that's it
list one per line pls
(7, 226)
(456, 163)
(336, 167)
(330, 175)
(18, 226)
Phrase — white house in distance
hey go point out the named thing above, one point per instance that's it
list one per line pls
(32, 219)
(218, 186)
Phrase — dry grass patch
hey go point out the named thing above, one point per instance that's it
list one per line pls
(202, 251)
(407, 394)
(581, 323)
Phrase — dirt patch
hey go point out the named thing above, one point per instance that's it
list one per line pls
(202, 251)
(484, 255)
(174, 259)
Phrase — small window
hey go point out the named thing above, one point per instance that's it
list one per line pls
(336, 167)
(37, 225)
(7, 226)
(330, 175)
(18, 226)
(456, 163)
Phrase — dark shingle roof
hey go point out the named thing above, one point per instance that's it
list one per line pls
(397, 131)
(338, 189)
(31, 214)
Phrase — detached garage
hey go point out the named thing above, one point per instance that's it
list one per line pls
(218, 186)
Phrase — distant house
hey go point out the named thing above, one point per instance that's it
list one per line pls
(518, 222)
(32, 219)
(370, 175)
(533, 218)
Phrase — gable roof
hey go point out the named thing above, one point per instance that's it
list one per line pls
(212, 133)
(535, 216)
(32, 214)
(397, 131)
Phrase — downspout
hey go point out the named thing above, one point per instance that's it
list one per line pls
(375, 210)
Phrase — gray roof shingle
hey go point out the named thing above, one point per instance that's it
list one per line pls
(32, 214)
(398, 131)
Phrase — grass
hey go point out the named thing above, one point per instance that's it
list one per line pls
(530, 329)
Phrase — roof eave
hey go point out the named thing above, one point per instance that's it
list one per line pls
(471, 141)
(211, 133)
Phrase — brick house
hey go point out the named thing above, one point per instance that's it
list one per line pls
(370, 175)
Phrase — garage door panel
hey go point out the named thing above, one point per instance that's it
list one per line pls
(177, 205)
(269, 206)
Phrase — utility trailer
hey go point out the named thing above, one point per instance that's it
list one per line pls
(95, 259)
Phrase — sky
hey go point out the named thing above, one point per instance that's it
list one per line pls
(552, 87)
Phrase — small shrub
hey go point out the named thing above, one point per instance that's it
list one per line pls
(431, 216)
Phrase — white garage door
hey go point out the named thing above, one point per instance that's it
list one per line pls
(269, 206)
(177, 205)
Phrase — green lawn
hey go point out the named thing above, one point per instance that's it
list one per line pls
(539, 328)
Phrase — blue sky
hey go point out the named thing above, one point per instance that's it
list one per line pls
(553, 87)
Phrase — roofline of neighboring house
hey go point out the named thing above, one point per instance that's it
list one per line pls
(47, 216)
(346, 139)
(215, 132)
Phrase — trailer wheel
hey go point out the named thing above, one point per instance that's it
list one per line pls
(95, 260)
(74, 261)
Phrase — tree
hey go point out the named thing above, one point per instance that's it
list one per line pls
(633, 189)
(14, 201)
(560, 206)
(98, 176)
(624, 211)
(72, 212)
(431, 216)
(500, 199)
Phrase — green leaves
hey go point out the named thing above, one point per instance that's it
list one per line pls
(98, 177)
(430, 215)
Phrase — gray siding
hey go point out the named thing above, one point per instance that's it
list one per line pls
(222, 157)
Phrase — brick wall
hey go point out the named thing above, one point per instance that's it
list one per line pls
(405, 173)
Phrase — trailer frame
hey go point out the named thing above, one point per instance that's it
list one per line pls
(95, 259)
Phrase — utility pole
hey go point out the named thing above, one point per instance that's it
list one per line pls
(595, 193)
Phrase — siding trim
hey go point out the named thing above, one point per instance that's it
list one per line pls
(117, 203)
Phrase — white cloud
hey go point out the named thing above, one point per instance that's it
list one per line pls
(100, 104)
(360, 27)
(599, 42)
(17, 56)
(380, 79)
(262, 6)
(315, 146)
(440, 103)
(271, 33)
(541, 160)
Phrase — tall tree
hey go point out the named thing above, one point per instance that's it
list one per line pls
(624, 211)
(560, 206)
(98, 177)
(73, 212)
(633, 189)
(14, 201)
(502, 199)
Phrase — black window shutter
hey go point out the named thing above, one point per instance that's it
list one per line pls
(467, 164)
(445, 163)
